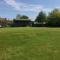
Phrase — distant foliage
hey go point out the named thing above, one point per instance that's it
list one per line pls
(41, 17)
(4, 22)
(19, 17)
(42, 20)
(21, 21)
(54, 18)
(24, 17)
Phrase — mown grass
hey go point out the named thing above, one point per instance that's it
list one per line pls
(29, 43)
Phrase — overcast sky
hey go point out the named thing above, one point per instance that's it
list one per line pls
(9, 8)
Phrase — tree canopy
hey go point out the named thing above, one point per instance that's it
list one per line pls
(19, 17)
(41, 17)
(55, 13)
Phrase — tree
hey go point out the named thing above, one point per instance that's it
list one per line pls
(21, 21)
(41, 17)
(19, 17)
(24, 17)
(5, 22)
(54, 18)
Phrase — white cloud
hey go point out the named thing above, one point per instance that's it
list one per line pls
(13, 4)
(23, 6)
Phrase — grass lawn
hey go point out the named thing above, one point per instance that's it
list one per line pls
(28, 43)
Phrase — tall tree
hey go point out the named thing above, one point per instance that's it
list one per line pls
(41, 17)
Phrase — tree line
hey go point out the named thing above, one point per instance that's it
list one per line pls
(51, 20)
(42, 20)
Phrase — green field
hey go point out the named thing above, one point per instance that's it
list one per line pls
(29, 43)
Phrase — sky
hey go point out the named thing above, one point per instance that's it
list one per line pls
(31, 8)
